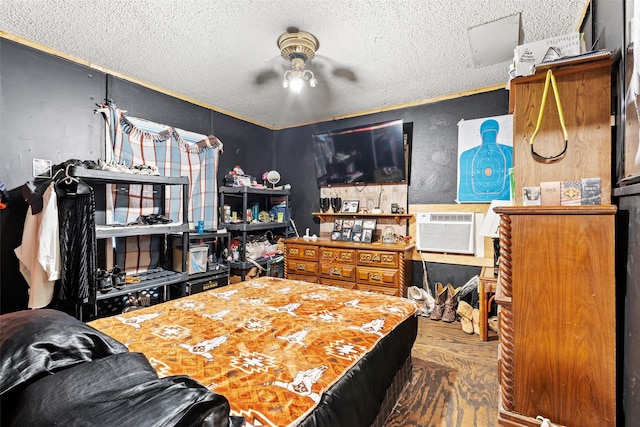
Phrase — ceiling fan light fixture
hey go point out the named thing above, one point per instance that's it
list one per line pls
(296, 82)
(297, 48)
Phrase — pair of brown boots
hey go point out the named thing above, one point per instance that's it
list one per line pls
(469, 318)
(445, 304)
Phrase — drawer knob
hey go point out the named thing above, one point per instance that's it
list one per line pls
(375, 277)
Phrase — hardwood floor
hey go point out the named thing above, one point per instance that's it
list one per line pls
(473, 397)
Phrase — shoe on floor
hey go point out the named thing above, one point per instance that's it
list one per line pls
(465, 310)
(475, 316)
(438, 308)
(450, 304)
(493, 323)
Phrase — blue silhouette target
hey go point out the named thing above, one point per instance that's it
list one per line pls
(483, 170)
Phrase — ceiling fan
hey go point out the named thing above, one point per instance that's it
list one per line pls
(298, 48)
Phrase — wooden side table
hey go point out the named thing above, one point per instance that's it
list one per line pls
(486, 293)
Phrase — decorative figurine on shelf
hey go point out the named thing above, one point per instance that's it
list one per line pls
(307, 237)
(388, 236)
(377, 210)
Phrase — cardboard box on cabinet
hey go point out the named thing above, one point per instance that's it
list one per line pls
(527, 55)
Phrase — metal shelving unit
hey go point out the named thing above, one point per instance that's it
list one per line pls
(154, 278)
(242, 197)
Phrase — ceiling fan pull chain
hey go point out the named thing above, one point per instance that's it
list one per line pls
(550, 79)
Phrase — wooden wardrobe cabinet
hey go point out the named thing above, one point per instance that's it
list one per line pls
(585, 94)
(556, 292)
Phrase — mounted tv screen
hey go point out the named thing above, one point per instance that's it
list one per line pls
(364, 154)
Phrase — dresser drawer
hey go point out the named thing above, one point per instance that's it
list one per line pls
(378, 276)
(310, 279)
(379, 289)
(302, 252)
(378, 258)
(338, 270)
(300, 266)
(346, 256)
(339, 283)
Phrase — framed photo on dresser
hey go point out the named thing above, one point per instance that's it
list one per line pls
(368, 228)
(339, 230)
(350, 206)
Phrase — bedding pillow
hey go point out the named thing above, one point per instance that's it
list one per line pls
(120, 390)
(35, 343)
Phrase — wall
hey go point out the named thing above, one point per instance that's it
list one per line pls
(241, 139)
(627, 300)
(433, 171)
(47, 111)
(48, 105)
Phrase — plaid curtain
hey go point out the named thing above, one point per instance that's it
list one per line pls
(175, 153)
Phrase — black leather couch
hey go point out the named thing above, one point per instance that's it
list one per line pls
(56, 370)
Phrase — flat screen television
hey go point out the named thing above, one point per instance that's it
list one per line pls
(365, 154)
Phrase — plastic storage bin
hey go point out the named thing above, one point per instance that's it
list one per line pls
(196, 259)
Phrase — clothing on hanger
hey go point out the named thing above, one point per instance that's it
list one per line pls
(4, 196)
(39, 251)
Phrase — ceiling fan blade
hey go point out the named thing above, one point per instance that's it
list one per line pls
(266, 76)
(345, 73)
(273, 71)
(337, 70)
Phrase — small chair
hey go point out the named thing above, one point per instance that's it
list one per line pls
(486, 294)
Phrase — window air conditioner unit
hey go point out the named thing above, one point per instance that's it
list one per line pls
(448, 232)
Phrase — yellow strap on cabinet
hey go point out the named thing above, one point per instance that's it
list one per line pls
(550, 79)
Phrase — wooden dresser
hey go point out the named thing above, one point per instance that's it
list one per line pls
(556, 292)
(377, 267)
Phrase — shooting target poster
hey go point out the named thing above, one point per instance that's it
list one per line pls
(485, 156)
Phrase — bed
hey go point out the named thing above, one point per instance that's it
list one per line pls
(283, 352)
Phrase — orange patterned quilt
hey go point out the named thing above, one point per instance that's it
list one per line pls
(270, 346)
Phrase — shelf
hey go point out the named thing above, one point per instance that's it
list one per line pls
(106, 231)
(208, 234)
(397, 217)
(246, 265)
(628, 190)
(148, 280)
(254, 227)
(557, 210)
(218, 271)
(108, 177)
(456, 259)
(252, 190)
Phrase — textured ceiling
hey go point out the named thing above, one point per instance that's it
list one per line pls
(373, 55)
